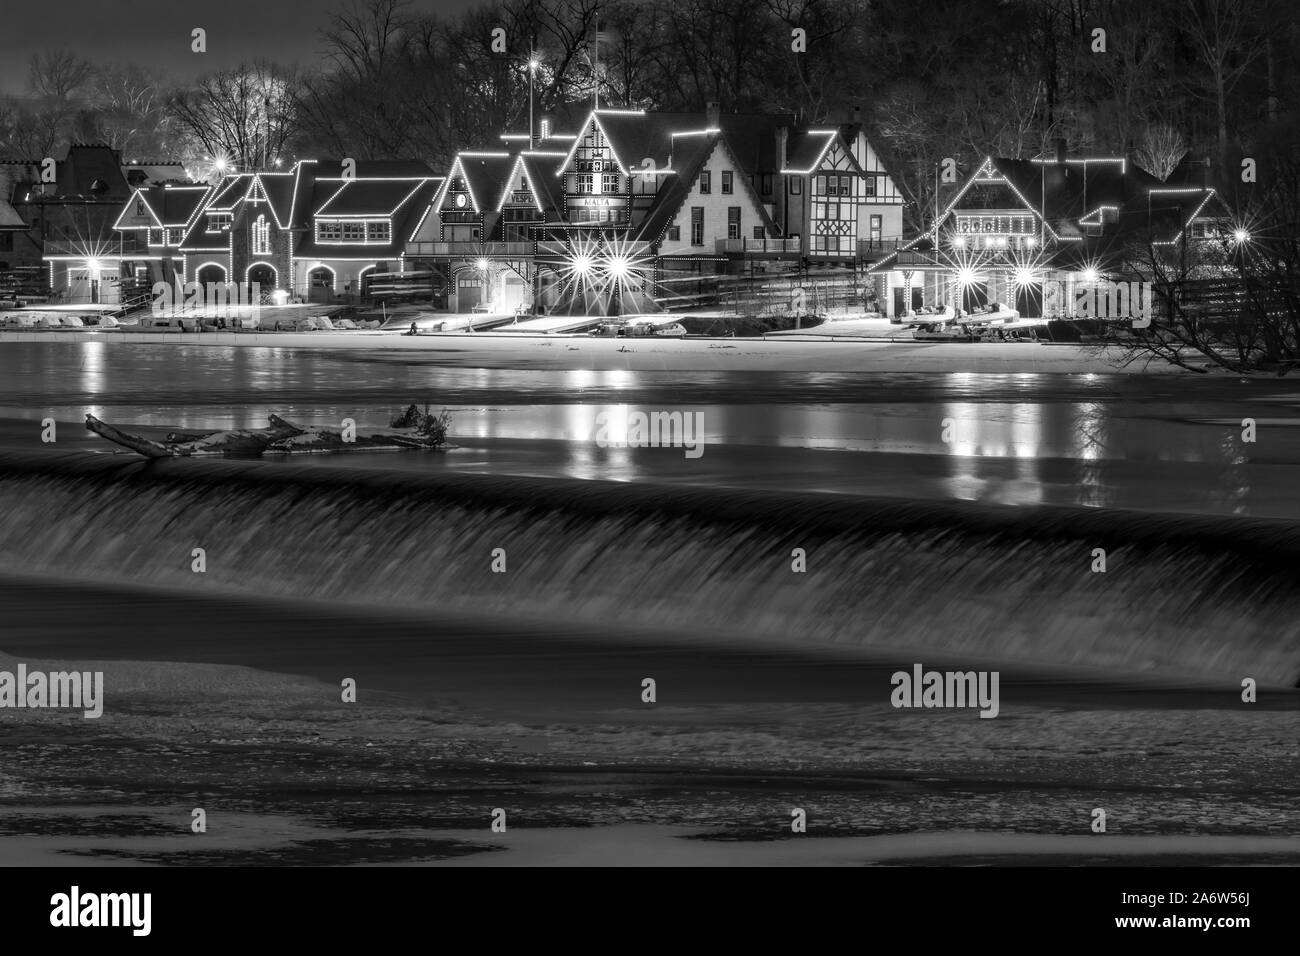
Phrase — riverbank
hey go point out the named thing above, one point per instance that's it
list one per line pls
(597, 353)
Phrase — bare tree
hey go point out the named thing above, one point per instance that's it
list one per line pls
(58, 74)
(1160, 150)
(246, 115)
(1227, 42)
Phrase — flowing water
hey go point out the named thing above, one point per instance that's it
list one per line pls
(827, 535)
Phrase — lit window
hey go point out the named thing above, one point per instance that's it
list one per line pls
(261, 237)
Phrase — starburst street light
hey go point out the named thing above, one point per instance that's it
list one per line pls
(482, 265)
(1241, 235)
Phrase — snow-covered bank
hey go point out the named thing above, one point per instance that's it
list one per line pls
(597, 353)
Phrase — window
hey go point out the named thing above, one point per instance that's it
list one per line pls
(139, 207)
(218, 221)
(876, 227)
(155, 237)
(354, 232)
(379, 231)
(758, 232)
(697, 225)
(329, 231)
(583, 184)
(609, 183)
(675, 233)
(767, 184)
(819, 185)
(261, 237)
(796, 185)
(706, 182)
(726, 182)
(733, 222)
(869, 186)
(174, 236)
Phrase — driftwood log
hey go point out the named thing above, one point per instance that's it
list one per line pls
(425, 431)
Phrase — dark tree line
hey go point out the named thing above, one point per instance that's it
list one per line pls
(1209, 80)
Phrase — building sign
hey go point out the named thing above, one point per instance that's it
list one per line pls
(996, 225)
(596, 201)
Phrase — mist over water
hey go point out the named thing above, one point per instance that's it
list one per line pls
(1214, 597)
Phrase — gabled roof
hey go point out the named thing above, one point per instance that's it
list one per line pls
(278, 189)
(540, 168)
(692, 152)
(486, 174)
(170, 206)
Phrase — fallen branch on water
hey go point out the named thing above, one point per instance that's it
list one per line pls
(427, 432)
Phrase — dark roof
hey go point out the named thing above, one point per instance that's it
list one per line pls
(487, 174)
(541, 170)
(9, 218)
(752, 138)
(229, 191)
(367, 197)
(374, 168)
(179, 204)
(93, 171)
(279, 193)
(405, 216)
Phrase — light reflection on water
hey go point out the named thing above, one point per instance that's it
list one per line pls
(1006, 428)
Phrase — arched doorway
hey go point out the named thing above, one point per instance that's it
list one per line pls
(210, 272)
(264, 278)
(320, 284)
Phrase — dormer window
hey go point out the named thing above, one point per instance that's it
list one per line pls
(219, 222)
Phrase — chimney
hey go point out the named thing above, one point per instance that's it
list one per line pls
(1060, 149)
(779, 207)
(713, 114)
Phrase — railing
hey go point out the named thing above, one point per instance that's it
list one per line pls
(76, 247)
(759, 246)
(513, 250)
(558, 249)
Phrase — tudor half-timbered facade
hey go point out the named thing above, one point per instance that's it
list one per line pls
(639, 211)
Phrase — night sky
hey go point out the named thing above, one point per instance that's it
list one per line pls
(157, 32)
